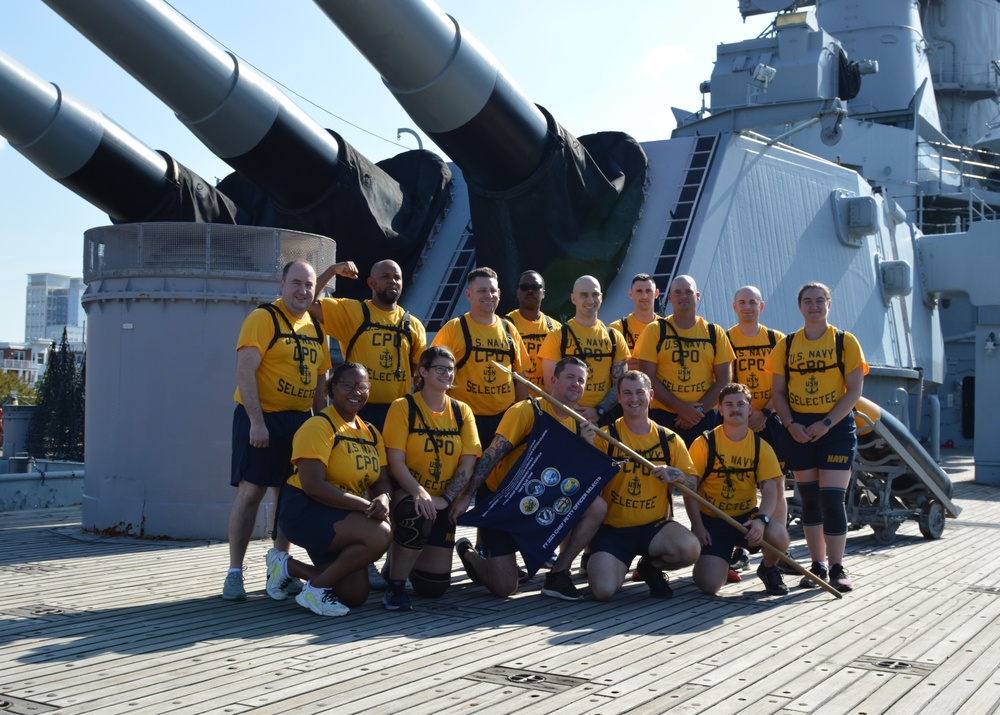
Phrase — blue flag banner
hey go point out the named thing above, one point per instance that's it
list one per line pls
(546, 491)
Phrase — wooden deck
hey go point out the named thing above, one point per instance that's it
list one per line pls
(112, 625)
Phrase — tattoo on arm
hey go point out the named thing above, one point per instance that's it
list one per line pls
(499, 449)
(452, 491)
(611, 399)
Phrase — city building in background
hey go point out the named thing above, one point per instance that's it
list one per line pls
(53, 304)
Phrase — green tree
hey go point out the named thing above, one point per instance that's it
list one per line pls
(56, 428)
(11, 383)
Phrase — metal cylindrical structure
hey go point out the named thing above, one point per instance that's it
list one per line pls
(238, 114)
(165, 303)
(78, 146)
(451, 86)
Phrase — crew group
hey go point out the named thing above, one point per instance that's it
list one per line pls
(387, 454)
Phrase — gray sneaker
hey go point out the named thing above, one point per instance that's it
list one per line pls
(375, 580)
(232, 588)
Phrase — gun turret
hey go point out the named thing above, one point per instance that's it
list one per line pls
(539, 197)
(97, 159)
(311, 179)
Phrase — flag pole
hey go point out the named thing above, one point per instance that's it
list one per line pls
(683, 489)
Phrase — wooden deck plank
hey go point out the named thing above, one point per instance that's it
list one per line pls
(144, 631)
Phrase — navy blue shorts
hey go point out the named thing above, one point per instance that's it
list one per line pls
(775, 434)
(309, 524)
(626, 542)
(834, 450)
(725, 537)
(268, 466)
(710, 421)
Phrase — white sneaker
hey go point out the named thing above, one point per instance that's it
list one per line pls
(321, 601)
(278, 579)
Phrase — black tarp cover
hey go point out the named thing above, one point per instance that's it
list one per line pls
(573, 217)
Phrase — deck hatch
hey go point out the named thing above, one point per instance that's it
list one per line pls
(531, 679)
(892, 665)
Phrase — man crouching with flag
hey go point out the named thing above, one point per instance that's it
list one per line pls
(640, 510)
(535, 482)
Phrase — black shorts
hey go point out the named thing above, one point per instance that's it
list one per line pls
(308, 523)
(443, 532)
(710, 421)
(495, 542)
(626, 542)
(725, 537)
(834, 450)
(268, 466)
(487, 425)
(375, 413)
(775, 434)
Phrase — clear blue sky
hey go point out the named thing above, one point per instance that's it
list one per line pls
(594, 64)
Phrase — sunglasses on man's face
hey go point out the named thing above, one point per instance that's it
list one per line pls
(530, 286)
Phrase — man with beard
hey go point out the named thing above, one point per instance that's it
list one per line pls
(379, 334)
(281, 364)
(531, 322)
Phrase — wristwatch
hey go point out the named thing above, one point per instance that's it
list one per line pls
(766, 412)
(827, 422)
(763, 517)
(600, 411)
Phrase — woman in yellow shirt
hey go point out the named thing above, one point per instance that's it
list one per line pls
(430, 438)
(336, 503)
(818, 377)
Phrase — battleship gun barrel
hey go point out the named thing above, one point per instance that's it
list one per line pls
(230, 107)
(80, 147)
(450, 85)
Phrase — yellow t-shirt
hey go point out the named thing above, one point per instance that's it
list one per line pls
(732, 483)
(815, 382)
(435, 445)
(594, 347)
(631, 327)
(748, 367)
(384, 348)
(479, 383)
(634, 496)
(515, 427)
(353, 457)
(686, 360)
(533, 332)
(290, 368)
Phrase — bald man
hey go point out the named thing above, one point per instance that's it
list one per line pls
(689, 361)
(378, 333)
(586, 337)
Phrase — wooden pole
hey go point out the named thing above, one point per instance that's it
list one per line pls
(683, 489)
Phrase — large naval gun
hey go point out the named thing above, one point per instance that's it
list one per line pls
(821, 156)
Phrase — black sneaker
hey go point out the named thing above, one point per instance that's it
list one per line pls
(654, 578)
(817, 569)
(740, 560)
(771, 577)
(395, 599)
(462, 548)
(558, 584)
(839, 579)
(785, 567)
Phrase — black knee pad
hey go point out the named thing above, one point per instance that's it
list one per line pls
(831, 500)
(429, 585)
(409, 529)
(812, 513)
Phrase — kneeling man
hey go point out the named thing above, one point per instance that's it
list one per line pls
(639, 519)
(733, 462)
